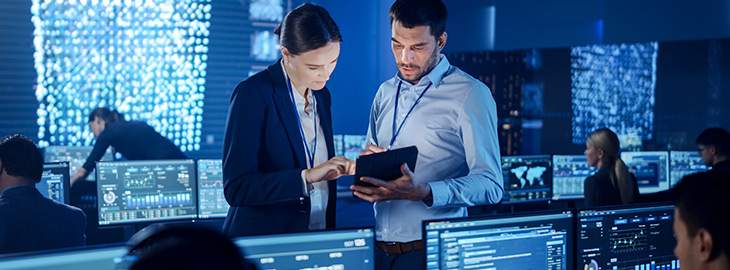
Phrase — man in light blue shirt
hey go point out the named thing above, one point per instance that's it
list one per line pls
(450, 116)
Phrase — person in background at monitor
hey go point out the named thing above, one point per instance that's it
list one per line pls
(28, 220)
(135, 140)
(613, 183)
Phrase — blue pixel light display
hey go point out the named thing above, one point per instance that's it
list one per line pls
(147, 59)
(266, 10)
(613, 86)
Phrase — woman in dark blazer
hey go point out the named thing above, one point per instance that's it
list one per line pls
(278, 149)
(613, 183)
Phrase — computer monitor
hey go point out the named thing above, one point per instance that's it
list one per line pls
(339, 249)
(525, 241)
(638, 237)
(145, 191)
(569, 173)
(353, 145)
(684, 163)
(75, 155)
(55, 182)
(650, 168)
(100, 258)
(211, 201)
(526, 178)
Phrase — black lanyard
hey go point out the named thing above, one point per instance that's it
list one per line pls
(395, 112)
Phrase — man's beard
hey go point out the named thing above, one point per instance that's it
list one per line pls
(433, 61)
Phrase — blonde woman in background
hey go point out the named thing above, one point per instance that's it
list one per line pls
(613, 183)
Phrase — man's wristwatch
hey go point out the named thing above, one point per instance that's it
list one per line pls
(429, 199)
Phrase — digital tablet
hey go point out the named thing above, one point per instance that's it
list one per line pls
(386, 165)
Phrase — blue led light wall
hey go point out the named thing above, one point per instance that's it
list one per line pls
(147, 59)
(613, 86)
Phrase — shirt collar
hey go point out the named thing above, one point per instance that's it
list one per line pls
(435, 76)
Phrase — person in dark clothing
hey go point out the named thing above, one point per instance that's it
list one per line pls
(612, 183)
(135, 140)
(714, 147)
(279, 162)
(713, 144)
(183, 247)
(28, 220)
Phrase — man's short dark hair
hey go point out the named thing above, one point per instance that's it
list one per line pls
(702, 202)
(20, 157)
(413, 13)
(717, 137)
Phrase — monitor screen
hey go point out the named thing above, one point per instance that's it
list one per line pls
(528, 241)
(92, 258)
(626, 238)
(526, 178)
(650, 168)
(353, 145)
(211, 202)
(340, 249)
(75, 155)
(569, 173)
(144, 191)
(684, 163)
(55, 182)
(338, 142)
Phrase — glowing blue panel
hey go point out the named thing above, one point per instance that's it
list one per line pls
(264, 46)
(613, 86)
(266, 10)
(146, 59)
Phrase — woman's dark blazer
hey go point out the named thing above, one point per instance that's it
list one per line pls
(263, 157)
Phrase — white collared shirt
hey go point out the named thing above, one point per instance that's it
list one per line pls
(317, 192)
(454, 127)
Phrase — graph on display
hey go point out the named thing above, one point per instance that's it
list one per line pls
(650, 168)
(143, 191)
(527, 178)
(626, 238)
(55, 182)
(339, 249)
(533, 241)
(211, 201)
(629, 240)
(683, 163)
(613, 86)
(569, 173)
(75, 156)
(148, 61)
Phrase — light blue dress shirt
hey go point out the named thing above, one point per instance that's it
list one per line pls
(454, 126)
